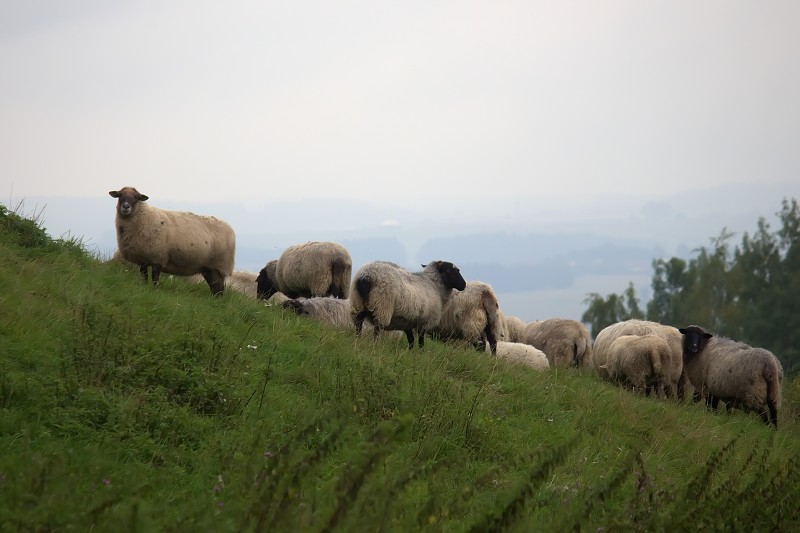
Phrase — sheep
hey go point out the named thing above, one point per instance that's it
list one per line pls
(675, 379)
(325, 309)
(472, 315)
(173, 242)
(240, 281)
(524, 354)
(393, 298)
(734, 372)
(317, 268)
(513, 328)
(566, 342)
(640, 361)
(277, 299)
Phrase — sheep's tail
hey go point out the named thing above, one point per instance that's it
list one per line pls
(772, 377)
(655, 360)
(490, 305)
(580, 347)
(338, 268)
(363, 288)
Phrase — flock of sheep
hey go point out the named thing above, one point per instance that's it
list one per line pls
(314, 279)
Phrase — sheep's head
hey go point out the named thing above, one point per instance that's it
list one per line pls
(695, 339)
(265, 284)
(127, 198)
(450, 274)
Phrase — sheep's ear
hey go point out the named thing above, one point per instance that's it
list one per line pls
(423, 266)
(707, 335)
(113, 194)
(682, 330)
(143, 197)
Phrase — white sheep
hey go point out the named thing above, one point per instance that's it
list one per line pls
(393, 298)
(325, 309)
(472, 315)
(639, 361)
(736, 373)
(566, 342)
(521, 353)
(513, 328)
(173, 242)
(317, 268)
(675, 379)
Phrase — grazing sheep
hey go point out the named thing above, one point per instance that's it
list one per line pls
(309, 269)
(640, 361)
(513, 328)
(524, 354)
(174, 242)
(393, 298)
(267, 281)
(472, 315)
(325, 309)
(734, 372)
(675, 379)
(566, 342)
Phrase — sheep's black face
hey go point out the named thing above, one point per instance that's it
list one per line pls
(694, 339)
(264, 287)
(127, 198)
(451, 275)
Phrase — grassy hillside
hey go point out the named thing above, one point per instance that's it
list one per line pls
(126, 406)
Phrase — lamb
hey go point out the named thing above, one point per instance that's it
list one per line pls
(513, 328)
(173, 242)
(317, 268)
(734, 372)
(566, 342)
(328, 310)
(524, 354)
(640, 361)
(472, 315)
(393, 298)
(675, 379)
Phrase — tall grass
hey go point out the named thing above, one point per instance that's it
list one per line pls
(122, 405)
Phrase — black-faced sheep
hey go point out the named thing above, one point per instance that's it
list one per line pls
(472, 315)
(325, 309)
(317, 268)
(513, 328)
(675, 380)
(738, 374)
(566, 342)
(639, 361)
(393, 298)
(173, 242)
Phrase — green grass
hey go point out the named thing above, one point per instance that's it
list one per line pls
(125, 406)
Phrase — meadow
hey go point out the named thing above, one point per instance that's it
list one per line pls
(127, 407)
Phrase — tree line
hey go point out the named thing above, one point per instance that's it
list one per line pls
(749, 291)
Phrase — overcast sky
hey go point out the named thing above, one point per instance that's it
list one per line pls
(409, 101)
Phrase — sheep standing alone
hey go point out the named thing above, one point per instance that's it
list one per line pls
(675, 379)
(640, 361)
(472, 315)
(173, 242)
(734, 372)
(393, 298)
(317, 268)
(566, 342)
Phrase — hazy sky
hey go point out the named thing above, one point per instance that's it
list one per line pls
(410, 101)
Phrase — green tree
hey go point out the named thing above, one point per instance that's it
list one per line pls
(603, 312)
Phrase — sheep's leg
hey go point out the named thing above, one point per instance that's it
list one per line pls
(358, 321)
(421, 339)
(490, 338)
(143, 272)
(215, 280)
(410, 337)
(773, 413)
(156, 274)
